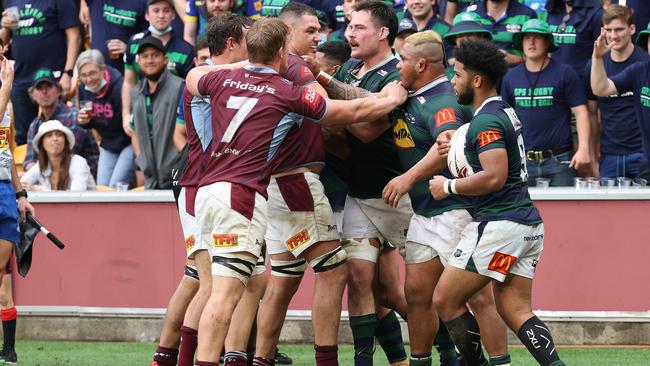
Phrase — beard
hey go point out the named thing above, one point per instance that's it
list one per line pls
(156, 75)
(466, 96)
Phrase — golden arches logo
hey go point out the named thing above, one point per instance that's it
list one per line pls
(502, 263)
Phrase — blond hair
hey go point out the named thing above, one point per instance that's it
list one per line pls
(423, 37)
(265, 38)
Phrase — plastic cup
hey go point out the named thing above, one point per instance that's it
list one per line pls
(542, 182)
(14, 14)
(639, 183)
(121, 186)
(580, 183)
(86, 105)
(607, 182)
(593, 183)
(623, 182)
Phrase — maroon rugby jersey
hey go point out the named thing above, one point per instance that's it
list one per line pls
(304, 143)
(253, 110)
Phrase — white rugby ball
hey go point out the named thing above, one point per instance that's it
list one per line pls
(456, 159)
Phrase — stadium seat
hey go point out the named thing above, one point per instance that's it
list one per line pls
(19, 156)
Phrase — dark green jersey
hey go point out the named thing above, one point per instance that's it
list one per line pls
(374, 164)
(429, 111)
(496, 126)
(271, 8)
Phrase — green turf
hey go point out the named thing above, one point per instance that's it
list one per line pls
(40, 353)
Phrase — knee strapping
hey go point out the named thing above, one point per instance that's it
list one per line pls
(362, 249)
(328, 261)
(290, 268)
(191, 272)
(233, 265)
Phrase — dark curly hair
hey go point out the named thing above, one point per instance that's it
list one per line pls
(484, 58)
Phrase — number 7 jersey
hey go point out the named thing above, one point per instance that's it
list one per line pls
(253, 110)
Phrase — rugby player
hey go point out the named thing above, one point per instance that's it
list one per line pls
(256, 109)
(367, 220)
(504, 242)
(435, 228)
(300, 220)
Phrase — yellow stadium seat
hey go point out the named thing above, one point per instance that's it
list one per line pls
(19, 156)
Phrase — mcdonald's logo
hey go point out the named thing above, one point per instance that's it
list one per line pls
(189, 243)
(487, 137)
(501, 263)
(225, 240)
(297, 240)
(445, 115)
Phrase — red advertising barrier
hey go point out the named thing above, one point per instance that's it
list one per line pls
(131, 254)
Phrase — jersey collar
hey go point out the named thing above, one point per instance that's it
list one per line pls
(378, 66)
(485, 102)
(441, 79)
(260, 69)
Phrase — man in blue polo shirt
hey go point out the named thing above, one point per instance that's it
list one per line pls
(113, 22)
(544, 93)
(160, 15)
(46, 35)
(634, 78)
(504, 18)
(620, 140)
(575, 26)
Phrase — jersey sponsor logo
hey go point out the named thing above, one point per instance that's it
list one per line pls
(225, 240)
(488, 137)
(230, 83)
(189, 243)
(501, 263)
(4, 137)
(445, 115)
(311, 98)
(297, 240)
(305, 73)
(402, 135)
(645, 96)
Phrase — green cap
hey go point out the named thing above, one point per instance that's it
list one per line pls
(466, 22)
(642, 39)
(534, 26)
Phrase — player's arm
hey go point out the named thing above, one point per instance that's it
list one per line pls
(193, 77)
(431, 163)
(345, 112)
(601, 85)
(494, 163)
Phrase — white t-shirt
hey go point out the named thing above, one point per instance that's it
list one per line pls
(80, 177)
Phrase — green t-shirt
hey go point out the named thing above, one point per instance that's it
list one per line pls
(429, 111)
(496, 126)
(372, 165)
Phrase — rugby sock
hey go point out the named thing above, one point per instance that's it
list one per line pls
(363, 333)
(420, 360)
(9, 327)
(206, 363)
(326, 355)
(261, 361)
(445, 346)
(534, 334)
(465, 332)
(166, 356)
(389, 335)
(235, 358)
(188, 346)
(503, 360)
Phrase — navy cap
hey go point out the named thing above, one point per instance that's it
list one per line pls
(150, 42)
(405, 25)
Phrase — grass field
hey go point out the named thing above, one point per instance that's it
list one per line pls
(41, 353)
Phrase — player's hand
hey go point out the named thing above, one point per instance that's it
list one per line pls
(7, 72)
(396, 189)
(600, 45)
(581, 160)
(443, 142)
(312, 63)
(436, 186)
(23, 207)
(396, 91)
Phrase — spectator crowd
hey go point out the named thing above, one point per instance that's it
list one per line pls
(112, 74)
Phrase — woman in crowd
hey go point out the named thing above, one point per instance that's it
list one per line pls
(100, 106)
(57, 169)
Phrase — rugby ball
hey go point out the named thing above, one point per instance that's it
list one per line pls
(456, 159)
